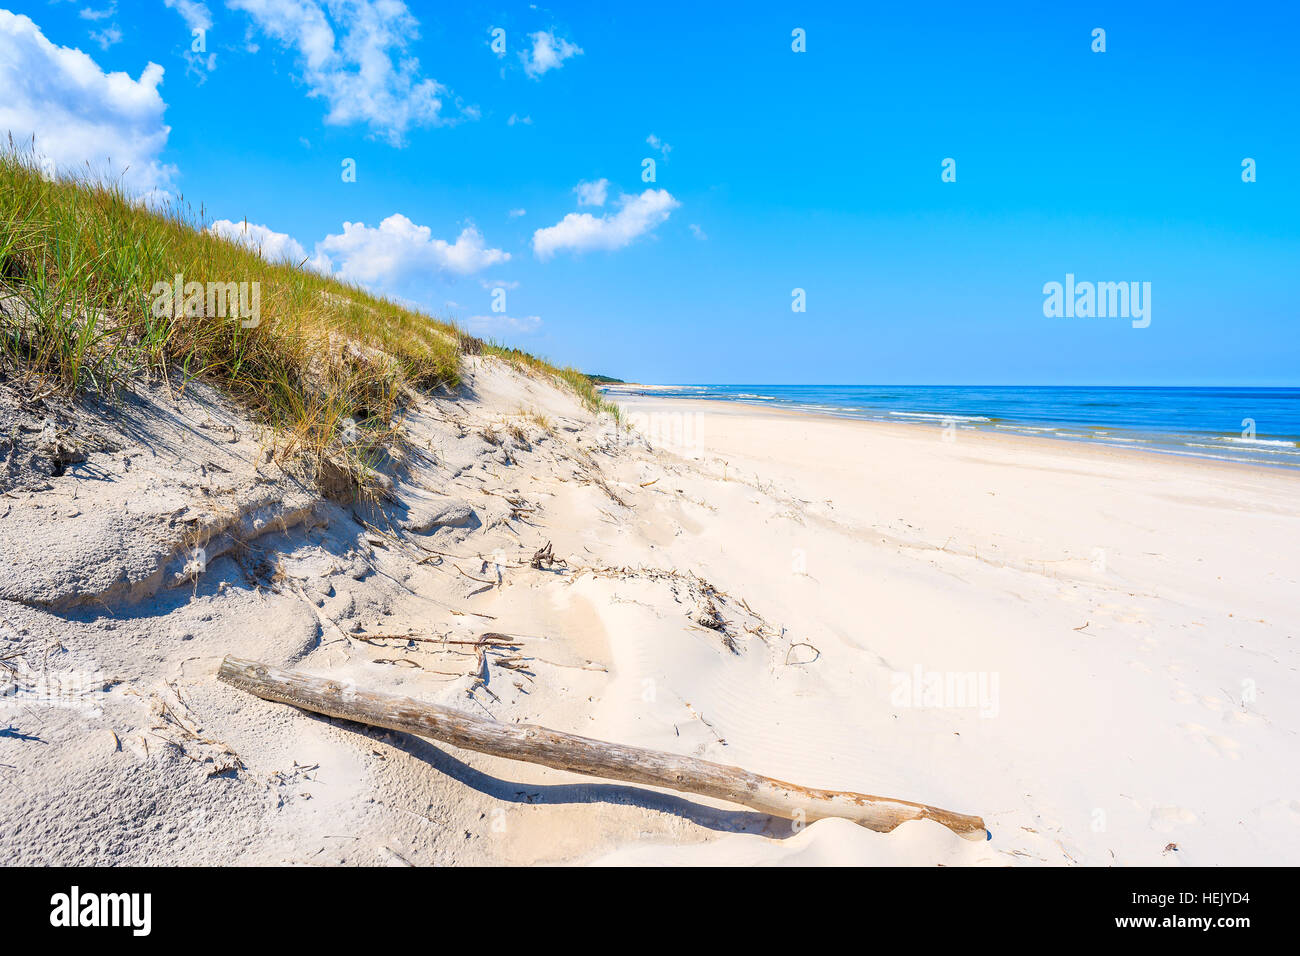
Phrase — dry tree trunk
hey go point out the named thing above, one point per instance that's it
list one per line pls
(582, 754)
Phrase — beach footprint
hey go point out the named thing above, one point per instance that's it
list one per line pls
(1168, 819)
(1217, 744)
(1243, 718)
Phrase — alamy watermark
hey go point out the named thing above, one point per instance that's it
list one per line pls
(1102, 300)
(133, 911)
(672, 430)
(22, 687)
(946, 690)
(213, 300)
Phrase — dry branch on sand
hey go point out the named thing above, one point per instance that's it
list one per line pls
(583, 755)
(545, 558)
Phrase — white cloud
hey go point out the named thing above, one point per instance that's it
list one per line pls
(548, 53)
(697, 232)
(90, 13)
(659, 144)
(111, 34)
(196, 15)
(581, 232)
(516, 213)
(197, 64)
(78, 113)
(515, 118)
(273, 246)
(489, 325)
(398, 251)
(355, 58)
(107, 37)
(397, 258)
(593, 193)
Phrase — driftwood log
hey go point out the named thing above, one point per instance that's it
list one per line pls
(583, 755)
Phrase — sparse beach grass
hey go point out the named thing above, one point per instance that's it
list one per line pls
(79, 262)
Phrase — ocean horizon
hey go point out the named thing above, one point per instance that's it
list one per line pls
(1256, 425)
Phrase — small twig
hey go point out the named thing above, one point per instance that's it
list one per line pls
(802, 644)
(472, 578)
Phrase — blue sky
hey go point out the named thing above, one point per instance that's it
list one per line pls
(775, 170)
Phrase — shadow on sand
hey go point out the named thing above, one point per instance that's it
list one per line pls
(509, 791)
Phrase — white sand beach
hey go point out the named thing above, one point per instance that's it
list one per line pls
(1093, 649)
(1133, 615)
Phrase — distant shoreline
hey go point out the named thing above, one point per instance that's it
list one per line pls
(1179, 422)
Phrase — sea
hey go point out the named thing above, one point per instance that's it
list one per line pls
(1252, 425)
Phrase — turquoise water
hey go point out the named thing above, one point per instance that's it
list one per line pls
(1256, 425)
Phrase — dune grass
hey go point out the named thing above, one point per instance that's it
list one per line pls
(79, 310)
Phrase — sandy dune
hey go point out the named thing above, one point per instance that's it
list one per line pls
(1094, 650)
